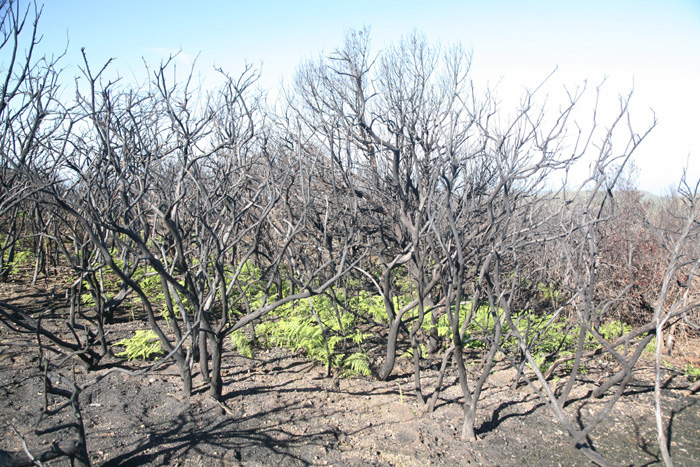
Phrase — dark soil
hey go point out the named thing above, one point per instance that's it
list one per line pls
(279, 409)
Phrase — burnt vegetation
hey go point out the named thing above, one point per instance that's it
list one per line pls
(385, 208)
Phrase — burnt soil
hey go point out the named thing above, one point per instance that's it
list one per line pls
(280, 409)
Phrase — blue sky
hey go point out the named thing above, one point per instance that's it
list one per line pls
(653, 45)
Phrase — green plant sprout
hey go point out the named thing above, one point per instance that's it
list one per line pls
(242, 344)
(692, 372)
(293, 326)
(144, 344)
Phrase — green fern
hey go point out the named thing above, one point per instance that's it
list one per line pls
(144, 344)
(692, 372)
(242, 343)
(358, 337)
(295, 326)
(356, 364)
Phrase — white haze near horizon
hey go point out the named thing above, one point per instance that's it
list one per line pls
(652, 47)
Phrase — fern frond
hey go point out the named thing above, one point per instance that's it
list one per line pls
(357, 364)
(242, 344)
(144, 344)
